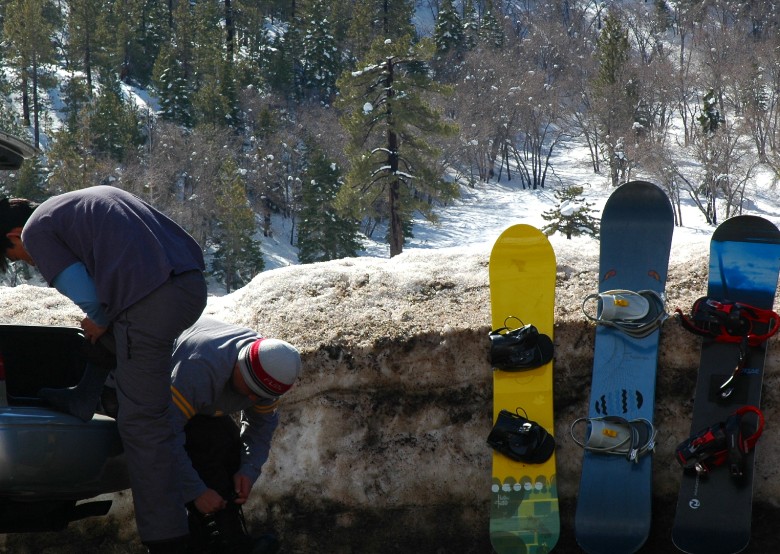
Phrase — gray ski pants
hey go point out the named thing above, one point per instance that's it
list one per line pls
(144, 335)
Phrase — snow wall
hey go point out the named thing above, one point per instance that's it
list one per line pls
(381, 447)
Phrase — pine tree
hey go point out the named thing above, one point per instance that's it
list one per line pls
(612, 51)
(127, 36)
(710, 117)
(362, 29)
(114, 124)
(255, 40)
(323, 234)
(30, 181)
(174, 70)
(171, 78)
(490, 32)
(616, 93)
(238, 257)
(449, 37)
(470, 24)
(571, 215)
(28, 30)
(214, 102)
(214, 97)
(375, 19)
(70, 165)
(394, 169)
(320, 60)
(82, 35)
(75, 95)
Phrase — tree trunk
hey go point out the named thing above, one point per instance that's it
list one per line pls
(25, 99)
(230, 29)
(36, 125)
(396, 228)
(394, 190)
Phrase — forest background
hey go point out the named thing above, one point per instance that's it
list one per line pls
(349, 119)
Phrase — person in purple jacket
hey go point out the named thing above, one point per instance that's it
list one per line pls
(138, 276)
(220, 370)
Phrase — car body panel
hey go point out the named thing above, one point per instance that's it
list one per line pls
(49, 460)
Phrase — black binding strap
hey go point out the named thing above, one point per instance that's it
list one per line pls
(519, 348)
(521, 439)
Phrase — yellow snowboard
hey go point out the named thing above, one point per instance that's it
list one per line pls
(524, 514)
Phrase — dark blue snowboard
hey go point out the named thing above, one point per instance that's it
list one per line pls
(614, 500)
(714, 511)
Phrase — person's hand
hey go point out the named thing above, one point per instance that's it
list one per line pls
(243, 487)
(92, 330)
(210, 502)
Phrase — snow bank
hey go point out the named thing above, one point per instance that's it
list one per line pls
(382, 442)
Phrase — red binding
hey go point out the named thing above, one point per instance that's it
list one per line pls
(711, 447)
(722, 321)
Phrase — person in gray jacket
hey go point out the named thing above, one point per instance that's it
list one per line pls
(220, 371)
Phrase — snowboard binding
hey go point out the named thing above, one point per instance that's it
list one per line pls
(730, 322)
(723, 442)
(637, 314)
(616, 435)
(519, 348)
(521, 439)
(727, 321)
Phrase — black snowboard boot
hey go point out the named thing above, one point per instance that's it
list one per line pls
(224, 532)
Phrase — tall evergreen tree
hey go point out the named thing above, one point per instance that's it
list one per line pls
(28, 31)
(128, 36)
(71, 166)
(491, 32)
(30, 181)
(470, 24)
(75, 95)
(171, 78)
(449, 36)
(238, 257)
(373, 19)
(252, 40)
(395, 17)
(215, 101)
(214, 98)
(615, 93)
(362, 29)
(710, 117)
(174, 70)
(82, 35)
(324, 234)
(612, 51)
(321, 59)
(394, 170)
(114, 124)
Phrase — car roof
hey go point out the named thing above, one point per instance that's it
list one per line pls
(13, 151)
